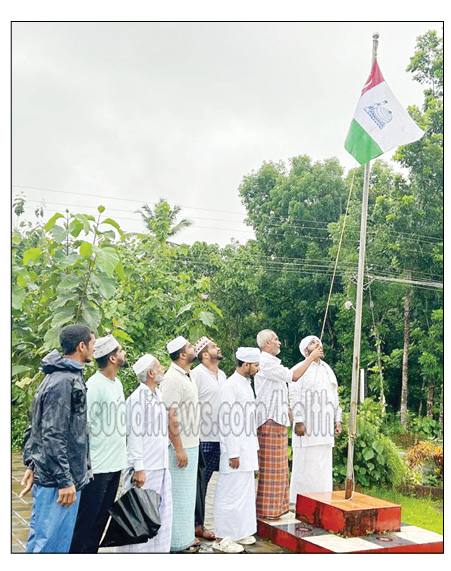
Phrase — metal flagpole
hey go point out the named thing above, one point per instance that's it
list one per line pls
(358, 321)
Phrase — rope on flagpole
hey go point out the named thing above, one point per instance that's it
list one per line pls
(338, 253)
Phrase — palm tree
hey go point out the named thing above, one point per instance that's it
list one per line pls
(161, 221)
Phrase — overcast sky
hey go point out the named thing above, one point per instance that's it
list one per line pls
(125, 113)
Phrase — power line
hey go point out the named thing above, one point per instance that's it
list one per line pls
(407, 235)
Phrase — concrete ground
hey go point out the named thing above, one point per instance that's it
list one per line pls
(21, 508)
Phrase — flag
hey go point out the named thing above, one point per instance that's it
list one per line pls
(380, 122)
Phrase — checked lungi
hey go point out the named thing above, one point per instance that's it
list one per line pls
(160, 481)
(273, 481)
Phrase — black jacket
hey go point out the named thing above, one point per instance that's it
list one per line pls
(57, 442)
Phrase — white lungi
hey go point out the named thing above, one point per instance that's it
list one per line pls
(160, 481)
(311, 470)
(234, 507)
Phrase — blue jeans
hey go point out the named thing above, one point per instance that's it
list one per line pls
(51, 524)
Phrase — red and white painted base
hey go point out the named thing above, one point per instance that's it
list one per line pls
(363, 525)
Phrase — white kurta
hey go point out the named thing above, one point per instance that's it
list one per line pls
(314, 402)
(234, 507)
(208, 387)
(147, 449)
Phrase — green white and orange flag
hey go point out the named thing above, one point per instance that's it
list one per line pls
(380, 122)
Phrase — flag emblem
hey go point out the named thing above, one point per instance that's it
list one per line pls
(379, 114)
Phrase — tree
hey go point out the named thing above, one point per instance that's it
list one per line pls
(161, 221)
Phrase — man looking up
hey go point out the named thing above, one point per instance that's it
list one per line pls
(315, 406)
(107, 439)
(147, 449)
(208, 378)
(180, 397)
(234, 507)
(56, 450)
(273, 418)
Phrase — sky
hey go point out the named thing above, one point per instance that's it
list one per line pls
(124, 113)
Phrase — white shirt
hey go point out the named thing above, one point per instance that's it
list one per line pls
(208, 389)
(314, 402)
(180, 392)
(237, 425)
(271, 390)
(147, 429)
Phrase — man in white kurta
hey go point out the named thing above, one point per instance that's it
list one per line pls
(234, 507)
(147, 449)
(315, 408)
(208, 378)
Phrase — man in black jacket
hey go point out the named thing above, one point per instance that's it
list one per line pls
(56, 451)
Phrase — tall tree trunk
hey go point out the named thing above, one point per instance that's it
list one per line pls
(405, 357)
(430, 399)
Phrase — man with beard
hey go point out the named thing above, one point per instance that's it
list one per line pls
(208, 379)
(315, 406)
(181, 399)
(56, 451)
(147, 449)
(273, 418)
(234, 507)
(107, 439)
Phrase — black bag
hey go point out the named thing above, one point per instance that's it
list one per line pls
(135, 518)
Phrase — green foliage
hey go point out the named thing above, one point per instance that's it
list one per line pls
(425, 513)
(377, 460)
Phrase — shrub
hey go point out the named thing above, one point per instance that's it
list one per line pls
(377, 460)
(427, 458)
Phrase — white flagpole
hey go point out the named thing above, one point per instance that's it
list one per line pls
(358, 321)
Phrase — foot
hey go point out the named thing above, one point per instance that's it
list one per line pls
(247, 540)
(226, 545)
(203, 532)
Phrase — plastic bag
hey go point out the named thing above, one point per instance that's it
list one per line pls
(135, 518)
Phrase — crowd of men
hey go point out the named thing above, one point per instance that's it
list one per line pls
(170, 435)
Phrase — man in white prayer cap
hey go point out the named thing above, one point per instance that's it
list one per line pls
(107, 439)
(208, 378)
(147, 449)
(234, 506)
(316, 418)
(181, 399)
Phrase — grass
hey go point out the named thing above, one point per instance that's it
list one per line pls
(426, 513)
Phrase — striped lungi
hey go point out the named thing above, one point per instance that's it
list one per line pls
(160, 481)
(184, 485)
(273, 482)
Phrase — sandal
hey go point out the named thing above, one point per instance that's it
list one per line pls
(205, 533)
(191, 549)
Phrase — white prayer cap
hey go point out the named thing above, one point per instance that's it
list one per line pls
(176, 344)
(306, 342)
(201, 344)
(143, 363)
(248, 354)
(104, 345)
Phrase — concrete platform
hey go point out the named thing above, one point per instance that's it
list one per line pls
(350, 518)
(293, 534)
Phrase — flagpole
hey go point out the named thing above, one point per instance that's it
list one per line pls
(358, 320)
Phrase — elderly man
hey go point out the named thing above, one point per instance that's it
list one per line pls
(273, 418)
(234, 507)
(147, 449)
(107, 439)
(208, 379)
(314, 402)
(180, 397)
(56, 450)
